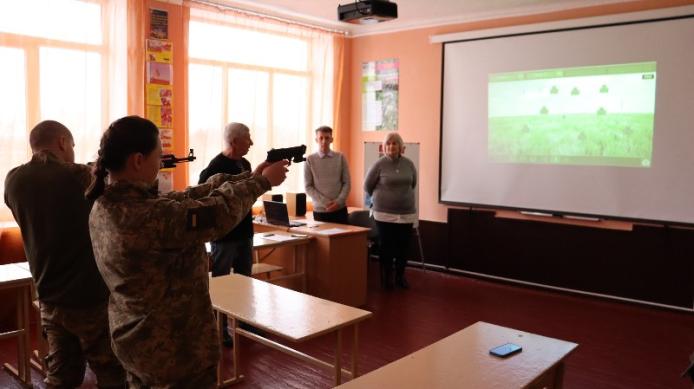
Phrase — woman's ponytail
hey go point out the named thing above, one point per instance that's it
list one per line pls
(98, 185)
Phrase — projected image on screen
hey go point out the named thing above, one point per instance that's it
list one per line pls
(595, 115)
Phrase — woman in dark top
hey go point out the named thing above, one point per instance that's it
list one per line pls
(391, 182)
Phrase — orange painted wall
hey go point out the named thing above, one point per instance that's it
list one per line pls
(420, 91)
(180, 99)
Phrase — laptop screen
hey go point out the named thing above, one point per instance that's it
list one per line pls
(276, 213)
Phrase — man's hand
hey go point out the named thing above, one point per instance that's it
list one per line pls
(276, 172)
(332, 206)
(259, 169)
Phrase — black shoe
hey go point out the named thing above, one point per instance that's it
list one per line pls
(402, 283)
(227, 340)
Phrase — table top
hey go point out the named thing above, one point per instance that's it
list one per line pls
(316, 229)
(12, 274)
(462, 360)
(293, 315)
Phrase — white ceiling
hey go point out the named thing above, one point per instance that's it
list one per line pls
(411, 13)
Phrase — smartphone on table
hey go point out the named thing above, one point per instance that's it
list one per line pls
(506, 350)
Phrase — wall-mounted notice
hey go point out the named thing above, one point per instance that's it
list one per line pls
(159, 51)
(160, 115)
(379, 95)
(158, 24)
(166, 136)
(165, 181)
(159, 73)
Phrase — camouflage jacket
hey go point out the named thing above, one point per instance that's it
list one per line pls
(150, 251)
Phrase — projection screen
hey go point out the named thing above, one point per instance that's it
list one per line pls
(590, 121)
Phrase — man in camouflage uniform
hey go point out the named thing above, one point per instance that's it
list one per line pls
(150, 250)
(46, 196)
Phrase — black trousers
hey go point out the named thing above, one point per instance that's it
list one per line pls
(339, 216)
(394, 239)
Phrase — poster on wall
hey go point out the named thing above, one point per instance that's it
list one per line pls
(160, 115)
(379, 95)
(158, 24)
(166, 137)
(165, 181)
(159, 50)
(159, 73)
(159, 94)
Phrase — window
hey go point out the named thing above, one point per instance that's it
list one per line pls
(56, 63)
(269, 76)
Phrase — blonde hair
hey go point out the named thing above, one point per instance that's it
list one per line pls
(394, 136)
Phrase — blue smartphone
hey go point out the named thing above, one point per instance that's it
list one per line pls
(506, 350)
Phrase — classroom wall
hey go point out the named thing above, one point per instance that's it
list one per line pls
(420, 90)
(139, 11)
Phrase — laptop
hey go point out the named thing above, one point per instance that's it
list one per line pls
(276, 213)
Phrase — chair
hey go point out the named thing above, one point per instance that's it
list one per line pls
(260, 267)
(362, 218)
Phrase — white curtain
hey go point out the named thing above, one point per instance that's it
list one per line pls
(62, 60)
(274, 77)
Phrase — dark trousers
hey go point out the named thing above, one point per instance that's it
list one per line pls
(339, 216)
(236, 253)
(394, 239)
(76, 336)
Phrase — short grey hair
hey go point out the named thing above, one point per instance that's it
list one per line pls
(394, 136)
(235, 130)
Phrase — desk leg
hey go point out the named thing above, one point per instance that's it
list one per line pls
(559, 376)
(221, 350)
(24, 340)
(23, 370)
(304, 249)
(355, 352)
(235, 326)
(221, 383)
(338, 358)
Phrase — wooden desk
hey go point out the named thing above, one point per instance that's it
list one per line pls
(337, 266)
(462, 360)
(288, 314)
(299, 244)
(17, 276)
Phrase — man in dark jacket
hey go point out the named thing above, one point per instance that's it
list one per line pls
(46, 196)
(236, 248)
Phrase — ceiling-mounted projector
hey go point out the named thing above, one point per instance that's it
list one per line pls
(367, 11)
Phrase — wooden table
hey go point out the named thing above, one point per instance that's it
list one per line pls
(264, 245)
(462, 360)
(338, 260)
(288, 314)
(17, 276)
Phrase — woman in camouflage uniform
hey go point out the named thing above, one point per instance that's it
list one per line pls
(150, 250)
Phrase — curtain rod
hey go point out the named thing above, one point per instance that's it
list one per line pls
(227, 7)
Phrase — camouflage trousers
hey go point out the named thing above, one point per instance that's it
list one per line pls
(205, 379)
(76, 336)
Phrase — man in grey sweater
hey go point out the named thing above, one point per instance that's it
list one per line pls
(326, 176)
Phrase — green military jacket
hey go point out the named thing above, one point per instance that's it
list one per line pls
(150, 251)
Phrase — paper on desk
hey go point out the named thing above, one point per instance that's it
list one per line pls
(279, 238)
(309, 223)
(331, 231)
